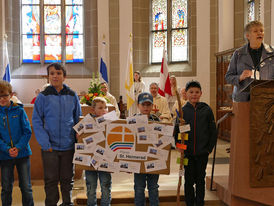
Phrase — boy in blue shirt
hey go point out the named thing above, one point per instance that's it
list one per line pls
(56, 111)
(15, 133)
(201, 140)
(145, 103)
(99, 108)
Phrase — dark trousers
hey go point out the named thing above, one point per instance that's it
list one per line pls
(195, 173)
(140, 181)
(58, 167)
(7, 179)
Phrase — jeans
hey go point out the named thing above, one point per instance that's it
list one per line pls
(195, 173)
(7, 179)
(105, 183)
(58, 167)
(152, 186)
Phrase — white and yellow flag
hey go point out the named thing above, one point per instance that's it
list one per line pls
(129, 84)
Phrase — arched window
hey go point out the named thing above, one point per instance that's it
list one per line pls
(169, 28)
(251, 10)
(52, 31)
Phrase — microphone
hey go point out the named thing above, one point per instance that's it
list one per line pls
(257, 67)
(246, 87)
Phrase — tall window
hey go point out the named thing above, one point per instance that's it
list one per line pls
(169, 28)
(251, 10)
(52, 31)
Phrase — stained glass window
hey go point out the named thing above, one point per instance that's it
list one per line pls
(52, 1)
(30, 1)
(74, 32)
(52, 19)
(179, 45)
(179, 13)
(251, 11)
(169, 25)
(74, 2)
(159, 13)
(49, 46)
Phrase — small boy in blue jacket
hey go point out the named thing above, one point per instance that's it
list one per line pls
(201, 140)
(15, 133)
(56, 111)
(145, 103)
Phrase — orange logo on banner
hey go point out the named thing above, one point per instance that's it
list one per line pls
(120, 137)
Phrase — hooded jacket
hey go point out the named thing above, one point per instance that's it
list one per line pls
(54, 116)
(14, 129)
(203, 134)
(240, 61)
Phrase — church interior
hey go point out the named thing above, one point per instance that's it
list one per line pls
(199, 37)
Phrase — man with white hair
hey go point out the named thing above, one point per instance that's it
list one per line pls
(111, 98)
(160, 106)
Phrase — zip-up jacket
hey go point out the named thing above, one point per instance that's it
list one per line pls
(14, 130)
(54, 115)
(203, 134)
(240, 61)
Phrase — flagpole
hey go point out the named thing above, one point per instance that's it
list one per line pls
(103, 70)
(130, 112)
(129, 83)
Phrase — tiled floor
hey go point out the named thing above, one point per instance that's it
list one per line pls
(124, 181)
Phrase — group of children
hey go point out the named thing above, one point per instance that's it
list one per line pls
(56, 111)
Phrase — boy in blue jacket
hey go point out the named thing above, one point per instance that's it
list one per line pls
(56, 111)
(15, 133)
(145, 103)
(201, 141)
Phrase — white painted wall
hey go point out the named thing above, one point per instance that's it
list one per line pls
(226, 25)
(125, 12)
(203, 53)
(25, 87)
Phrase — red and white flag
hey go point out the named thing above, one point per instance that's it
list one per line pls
(164, 85)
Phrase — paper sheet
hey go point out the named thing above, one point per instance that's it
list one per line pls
(81, 159)
(138, 119)
(131, 155)
(146, 138)
(105, 154)
(112, 116)
(127, 166)
(164, 141)
(142, 128)
(155, 165)
(90, 124)
(95, 161)
(162, 129)
(82, 149)
(184, 128)
(157, 153)
(94, 139)
(79, 127)
(108, 166)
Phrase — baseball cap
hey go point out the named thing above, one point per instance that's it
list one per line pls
(145, 97)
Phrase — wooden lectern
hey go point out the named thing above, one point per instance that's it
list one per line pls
(251, 175)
